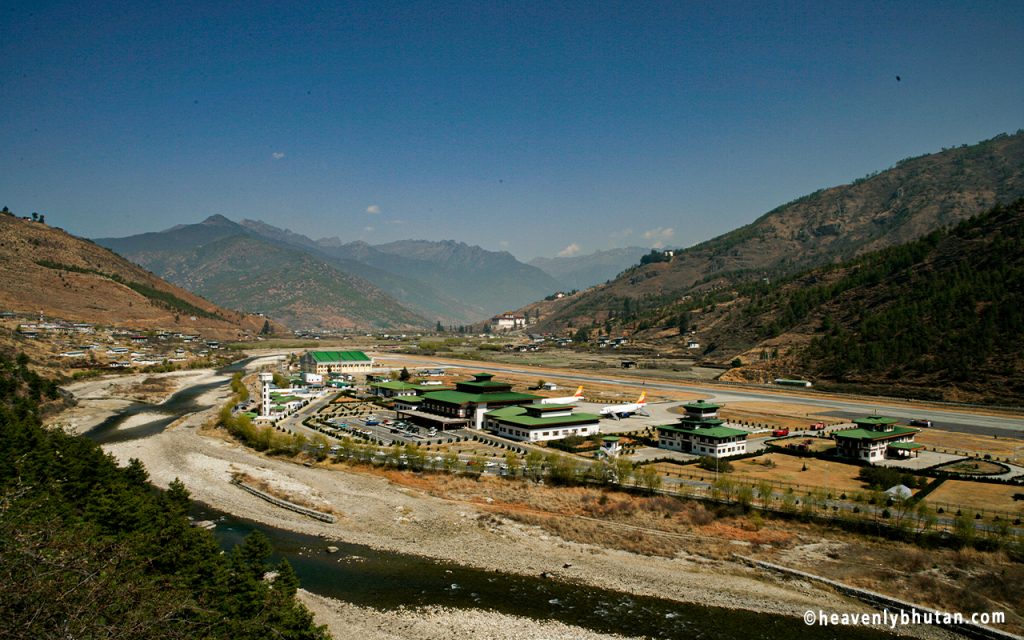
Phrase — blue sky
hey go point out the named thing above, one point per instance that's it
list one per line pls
(537, 127)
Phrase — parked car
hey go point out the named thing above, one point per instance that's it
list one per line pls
(920, 422)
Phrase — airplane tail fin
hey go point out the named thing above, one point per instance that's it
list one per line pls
(579, 392)
(642, 400)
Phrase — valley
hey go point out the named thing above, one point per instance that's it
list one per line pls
(540, 529)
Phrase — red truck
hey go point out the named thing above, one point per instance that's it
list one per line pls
(776, 433)
(817, 426)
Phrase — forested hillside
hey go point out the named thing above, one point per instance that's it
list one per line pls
(941, 317)
(91, 550)
(946, 311)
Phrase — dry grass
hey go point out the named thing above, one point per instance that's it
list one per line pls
(776, 414)
(787, 471)
(468, 448)
(972, 444)
(973, 467)
(649, 525)
(978, 495)
(965, 581)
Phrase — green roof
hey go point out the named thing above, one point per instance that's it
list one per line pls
(519, 417)
(716, 433)
(550, 407)
(877, 421)
(483, 385)
(701, 404)
(869, 434)
(338, 356)
(610, 439)
(697, 423)
(461, 397)
(395, 385)
(906, 445)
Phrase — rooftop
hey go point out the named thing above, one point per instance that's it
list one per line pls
(870, 434)
(520, 416)
(716, 433)
(338, 356)
(906, 445)
(875, 421)
(461, 397)
(701, 405)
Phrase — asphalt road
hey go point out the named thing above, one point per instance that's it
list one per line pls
(964, 420)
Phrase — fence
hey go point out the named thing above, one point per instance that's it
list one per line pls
(284, 504)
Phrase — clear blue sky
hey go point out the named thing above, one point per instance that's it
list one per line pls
(536, 127)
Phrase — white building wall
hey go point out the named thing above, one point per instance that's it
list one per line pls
(543, 434)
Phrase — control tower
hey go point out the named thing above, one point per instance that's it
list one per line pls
(266, 379)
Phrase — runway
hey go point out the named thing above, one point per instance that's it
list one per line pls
(963, 420)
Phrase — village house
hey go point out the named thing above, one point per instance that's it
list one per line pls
(508, 322)
(541, 422)
(702, 432)
(875, 438)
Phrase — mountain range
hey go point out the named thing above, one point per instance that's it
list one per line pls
(330, 284)
(581, 272)
(911, 199)
(47, 271)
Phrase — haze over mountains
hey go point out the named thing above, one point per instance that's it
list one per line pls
(583, 271)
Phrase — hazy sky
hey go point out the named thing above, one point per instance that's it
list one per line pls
(537, 127)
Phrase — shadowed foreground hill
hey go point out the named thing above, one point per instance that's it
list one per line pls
(91, 550)
(46, 270)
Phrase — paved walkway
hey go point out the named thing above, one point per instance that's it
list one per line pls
(923, 459)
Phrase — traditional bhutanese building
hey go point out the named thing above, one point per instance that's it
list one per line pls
(398, 388)
(327, 362)
(611, 446)
(466, 405)
(508, 322)
(540, 422)
(876, 438)
(701, 432)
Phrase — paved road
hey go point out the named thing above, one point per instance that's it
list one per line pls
(958, 419)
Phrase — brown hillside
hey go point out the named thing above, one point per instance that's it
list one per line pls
(911, 199)
(46, 270)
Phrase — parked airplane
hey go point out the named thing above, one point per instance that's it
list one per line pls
(625, 410)
(576, 397)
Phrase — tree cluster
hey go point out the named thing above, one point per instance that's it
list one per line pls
(91, 550)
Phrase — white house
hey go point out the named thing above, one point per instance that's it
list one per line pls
(508, 322)
(541, 422)
(876, 438)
